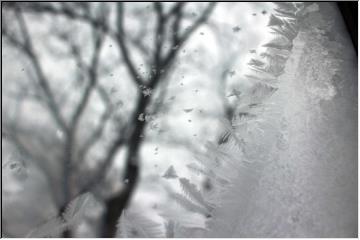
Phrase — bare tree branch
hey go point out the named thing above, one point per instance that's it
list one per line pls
(106, 164)
(65, 11)
(177, 12)
(121, 40)
(13, 136)
(43, 82)
(182, 39)
(71, 134)
(92, 73)
(174, 9)
(132, 133)
(136, 42)
(97, 133)
(159, 34)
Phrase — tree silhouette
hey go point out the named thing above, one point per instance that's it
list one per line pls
(129, 134)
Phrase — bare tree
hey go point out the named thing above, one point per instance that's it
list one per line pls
(130, 132)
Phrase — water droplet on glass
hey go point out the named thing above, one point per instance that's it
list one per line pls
(141, 118)
(13, 165)
(18, 168)
(147, 92)
(236, 29)
(232, 73)
(59, 134)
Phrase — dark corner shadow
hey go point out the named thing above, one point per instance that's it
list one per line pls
(349, 11)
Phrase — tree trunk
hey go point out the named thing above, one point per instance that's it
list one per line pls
(116, 204)
(67, 233)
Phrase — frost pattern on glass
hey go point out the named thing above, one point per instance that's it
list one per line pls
(282, 165)
(268, 196)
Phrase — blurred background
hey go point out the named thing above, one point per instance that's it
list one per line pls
(114, 99)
